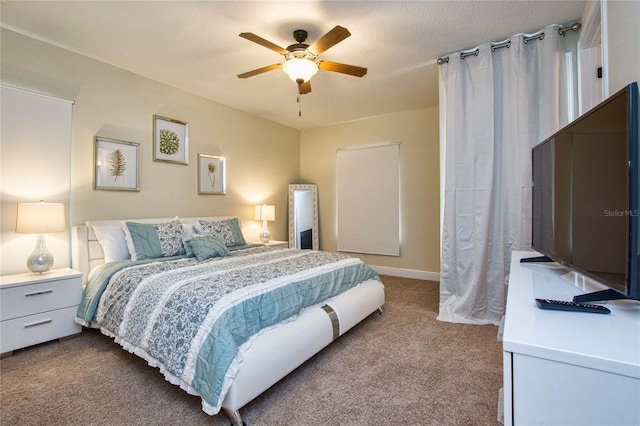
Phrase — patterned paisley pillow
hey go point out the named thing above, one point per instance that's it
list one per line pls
(154, 240)
(228, 230)
(170, 235)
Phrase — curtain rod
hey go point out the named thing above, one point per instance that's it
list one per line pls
(507, 44)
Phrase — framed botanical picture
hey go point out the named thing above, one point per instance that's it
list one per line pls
(211, 174)
(116, 165)
(170, 140)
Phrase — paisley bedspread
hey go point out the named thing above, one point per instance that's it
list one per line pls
(189, 318)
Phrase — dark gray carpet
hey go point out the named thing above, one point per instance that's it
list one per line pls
(402, 368)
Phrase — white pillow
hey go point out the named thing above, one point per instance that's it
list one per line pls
(112, 240)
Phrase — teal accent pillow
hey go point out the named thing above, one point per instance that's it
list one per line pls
(154, 240)
(145, 241)
(207, 246)
(185, 244)
(227, 230)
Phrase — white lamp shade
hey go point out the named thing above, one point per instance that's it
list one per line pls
(40, 218)
(265, 212)
(300, 69)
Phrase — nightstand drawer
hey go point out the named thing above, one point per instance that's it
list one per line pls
(30, 330)
(23, 300)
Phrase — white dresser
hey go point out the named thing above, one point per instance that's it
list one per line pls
(37, 308)
(567, 368)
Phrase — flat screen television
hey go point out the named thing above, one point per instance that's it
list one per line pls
(586, 184)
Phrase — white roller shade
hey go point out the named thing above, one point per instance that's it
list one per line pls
(369, 200)
(35, 164)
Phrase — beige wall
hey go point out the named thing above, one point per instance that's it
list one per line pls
(262, 157)
(623, 43)
(419, 197)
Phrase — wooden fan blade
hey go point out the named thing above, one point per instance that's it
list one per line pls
(260, 71)
(330, 39)
(342, 68)
(304, 88)
(262, 42)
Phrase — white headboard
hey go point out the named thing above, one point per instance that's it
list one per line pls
(86, 251)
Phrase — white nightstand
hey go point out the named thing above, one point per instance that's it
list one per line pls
(274, 243)
(37, 308)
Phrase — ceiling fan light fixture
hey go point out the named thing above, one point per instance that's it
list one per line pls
(300, 70)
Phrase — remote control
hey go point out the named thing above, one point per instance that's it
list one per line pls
(560, 305)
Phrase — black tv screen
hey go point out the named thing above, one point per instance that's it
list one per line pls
(585, 195)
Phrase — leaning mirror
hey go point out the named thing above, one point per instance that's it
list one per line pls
(303, 217)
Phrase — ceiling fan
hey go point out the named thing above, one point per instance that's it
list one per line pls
(301, 60)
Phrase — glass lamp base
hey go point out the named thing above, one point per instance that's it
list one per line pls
(41, 260)
(265, 236)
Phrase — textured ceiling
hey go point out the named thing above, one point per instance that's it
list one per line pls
(194, 46)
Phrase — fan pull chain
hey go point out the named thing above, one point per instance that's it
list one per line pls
(299, 105)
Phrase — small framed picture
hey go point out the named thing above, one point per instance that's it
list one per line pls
(116, 165)
(170, 140)
(211, 175)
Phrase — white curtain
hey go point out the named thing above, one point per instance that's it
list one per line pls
(497, 106)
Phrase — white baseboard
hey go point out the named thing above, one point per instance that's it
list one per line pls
(407, 273)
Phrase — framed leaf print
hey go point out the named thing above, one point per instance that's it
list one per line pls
(116, 165)
(211, 175)
(170, 140)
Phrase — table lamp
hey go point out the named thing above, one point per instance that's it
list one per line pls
(40, 218)
(265, 213)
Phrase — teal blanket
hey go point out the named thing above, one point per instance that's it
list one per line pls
(189, 318)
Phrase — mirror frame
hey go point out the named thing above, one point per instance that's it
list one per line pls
(314, 220)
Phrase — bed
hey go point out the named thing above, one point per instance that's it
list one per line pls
(222, 319)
